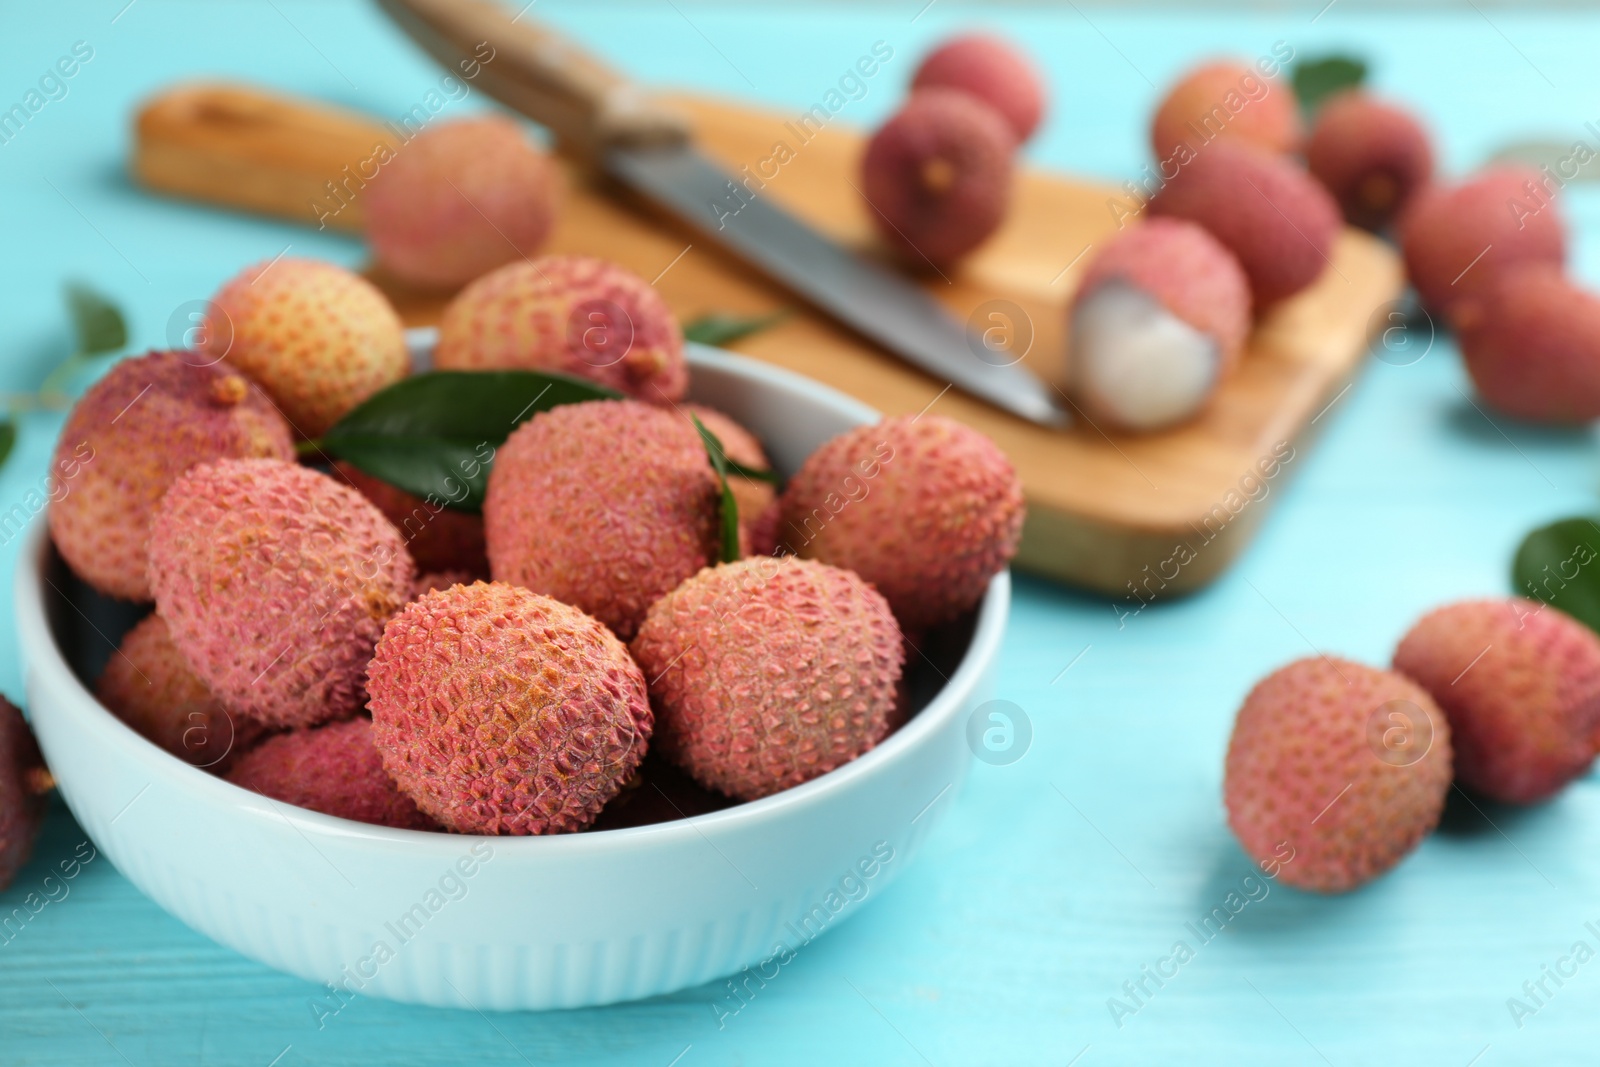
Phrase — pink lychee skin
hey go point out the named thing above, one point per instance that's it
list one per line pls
(458, 200)
(1327, 784)
(24, 787)
(1269, 119)
(334, 769)
(605, 505)
(766, 673)
(992, 71)
(128, 439)
(439, 538)
(924, 508)
(276, 581)
(574, 315)
(501, 711)
(1520, 684)
(1371, 155)
(752, 495)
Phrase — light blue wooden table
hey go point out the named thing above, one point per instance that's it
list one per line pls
(1053, 880)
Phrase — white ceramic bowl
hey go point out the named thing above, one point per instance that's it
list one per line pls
(501, 922)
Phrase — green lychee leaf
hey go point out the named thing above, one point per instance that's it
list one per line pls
(8, 439)
(1560, 565)
(1317, 79)
(730, 504)
(718, 328)
(435, 434)
(97, 323)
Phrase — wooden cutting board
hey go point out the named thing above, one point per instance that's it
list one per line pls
(1129, 515)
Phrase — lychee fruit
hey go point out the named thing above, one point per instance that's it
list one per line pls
(1268, 211)
(574, 315)
(604, 505)
(501, 711)
(1225, 100)
(1335, 771)
(276, 581)
(316, 337)
(1371, 155)
(991, 70)
(150, 686)
(334, 769)
(1456, 238)
(24, 786)
(439, 538)
(458, 200)
(769, 672)
(1158, 322)
(937, 176)
(1520, 684)
(128, 439)
(924, 508)
(753, 495)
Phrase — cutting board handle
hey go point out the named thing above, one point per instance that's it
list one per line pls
(585, 104)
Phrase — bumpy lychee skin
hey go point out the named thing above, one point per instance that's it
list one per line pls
(24, 784)
(752, 495)
(334, 769)
(1267, 210)
(937, 176)
(769, 672)
(316, 337)
(439, 538)
(150, 686)
(501, 711)
(604, 505)
(573, 315)
(1457, 238)
(1335, 771)
(1520, 684)
(1371, 155)
(925, 509)
(276, 581)
(1225, 101)
(458, 200)
(992, 71)
(128, 439)
(1158, 322)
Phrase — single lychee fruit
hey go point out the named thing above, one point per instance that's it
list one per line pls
(604, 505)
(937, 176)
(1225, 100)
(752, 495)
(1371, 155)
(1520, 683)
(1335, 771)
(276, 581)
(1267, 210)
(24, 786)
(573, 315)
(334, 769)
(316, 337)
(991, 70)
(769, 672)
(439, 538)
(501, 711)
(1531, 341)
(924, 508)
(128, 439)
(458, 200)
(150, 686)
(1456, 238)
(1158, 322)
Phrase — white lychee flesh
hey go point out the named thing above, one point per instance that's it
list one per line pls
(1136, 364)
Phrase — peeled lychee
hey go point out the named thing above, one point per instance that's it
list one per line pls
(439, 538)
(316, 337)
(992, 71)
(1520, 683)
(1371, 155)
(753, 495)
(334, 769)
(572, 315)
(150, 686)
(1531, 341)
(458, 200)
(24, 785)
(924, 508)
(604, 505)
(276, 581)
(1157, 323)
(1266, 209)
(1456, 238)
(769, 672)
(1224, 101)
(501, 711)
(1335, 772)
(937, 176)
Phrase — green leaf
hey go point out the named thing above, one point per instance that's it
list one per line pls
(722, 329)
(435, 434)
(751, 474)
(8, 438)
(1317, 79)
(730, 505)
(1560, 565)
(98, 324)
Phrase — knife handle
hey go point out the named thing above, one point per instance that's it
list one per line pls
(585, 104)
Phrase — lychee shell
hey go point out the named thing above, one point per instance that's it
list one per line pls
(991, 70)
(1371, 155)
(1202, 98)
(438, 538)
(334, 769)
(1531, 341)
(24, 784)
